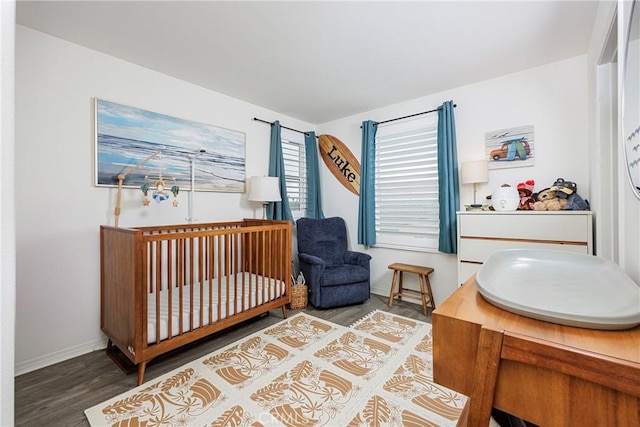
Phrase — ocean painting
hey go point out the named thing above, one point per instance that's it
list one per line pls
(126, 136)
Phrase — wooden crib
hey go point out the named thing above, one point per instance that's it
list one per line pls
(163, 287)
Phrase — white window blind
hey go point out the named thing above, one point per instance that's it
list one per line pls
(295, 166)
(406, 184)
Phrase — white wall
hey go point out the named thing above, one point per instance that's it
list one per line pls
(58, 209)
(616, 210)
(7, 219)
(553, 98)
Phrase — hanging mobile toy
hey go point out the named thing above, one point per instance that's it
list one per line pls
(159, 195)
(175, 190)
(145, 190)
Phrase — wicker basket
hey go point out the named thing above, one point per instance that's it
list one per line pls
(298, 296)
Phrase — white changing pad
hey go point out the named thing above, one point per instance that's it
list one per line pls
(257, 291)
(561, 287)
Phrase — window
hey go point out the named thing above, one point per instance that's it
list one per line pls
(295, 166)
(406, 184)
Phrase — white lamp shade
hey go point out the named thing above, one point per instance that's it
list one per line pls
(474, 172)
(264, 189)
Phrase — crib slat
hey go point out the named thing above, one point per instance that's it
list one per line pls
(211, 274)
(253, 259)
(263, 257)
(234, 257)
(190, 280)
(231, 277)
(279, 272)
(227, 276)
(145, 285)
(158, 274)
(227, 270)
(200, 278)
(241, 268)
(181, 282)
(219, 276)
(274, 266)
(170, 286)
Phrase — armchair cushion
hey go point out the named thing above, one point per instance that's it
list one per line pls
(323, 238)
(344, 274)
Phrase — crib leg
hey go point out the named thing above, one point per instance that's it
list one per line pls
(141, 367)
(284, 311)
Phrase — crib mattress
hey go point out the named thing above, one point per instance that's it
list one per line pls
(255, 291)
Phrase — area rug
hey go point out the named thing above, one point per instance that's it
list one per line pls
(303, 371)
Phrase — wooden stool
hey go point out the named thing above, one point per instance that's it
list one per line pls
(423, 278)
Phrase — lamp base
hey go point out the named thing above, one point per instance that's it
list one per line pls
(475, 207)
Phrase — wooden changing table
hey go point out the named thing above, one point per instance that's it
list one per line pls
(547, 374)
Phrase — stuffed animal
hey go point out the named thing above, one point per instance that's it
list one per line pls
(576, 203)
(564, 188)
(569, 191)
(525, 190)
(547, 200)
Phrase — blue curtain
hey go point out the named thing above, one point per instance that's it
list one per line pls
(314, 194)
(449, 196)
(366, 211)
(278, 210)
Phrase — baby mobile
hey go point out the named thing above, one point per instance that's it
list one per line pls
(159, 195)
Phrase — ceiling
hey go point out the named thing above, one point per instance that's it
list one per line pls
(318, 61)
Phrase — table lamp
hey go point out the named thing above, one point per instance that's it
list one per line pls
(264, 189)
(474, 173)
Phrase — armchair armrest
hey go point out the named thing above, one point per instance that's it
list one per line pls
(310, 259)
(313, 269)
(357, 258)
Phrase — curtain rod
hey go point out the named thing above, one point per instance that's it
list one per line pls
(270, 123)
(410, 115)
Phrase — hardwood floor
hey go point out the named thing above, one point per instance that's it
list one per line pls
(58, 395)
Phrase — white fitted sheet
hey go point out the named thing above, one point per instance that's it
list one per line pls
(254, 294)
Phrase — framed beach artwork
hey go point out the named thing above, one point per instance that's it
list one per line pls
(510, 148)
(147, 146)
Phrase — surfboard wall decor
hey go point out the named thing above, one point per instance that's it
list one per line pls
(341, 162)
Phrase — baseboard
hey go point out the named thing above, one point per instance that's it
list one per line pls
(379, 291)
(58, 356)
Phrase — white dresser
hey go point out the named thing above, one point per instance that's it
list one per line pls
(482, 233)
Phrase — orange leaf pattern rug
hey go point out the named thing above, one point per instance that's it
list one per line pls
(303, 371)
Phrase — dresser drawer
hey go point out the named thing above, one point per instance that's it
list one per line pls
(479, 249)
(549, 227)
(482, 233)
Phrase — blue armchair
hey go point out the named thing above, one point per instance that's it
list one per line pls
(335, 275)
